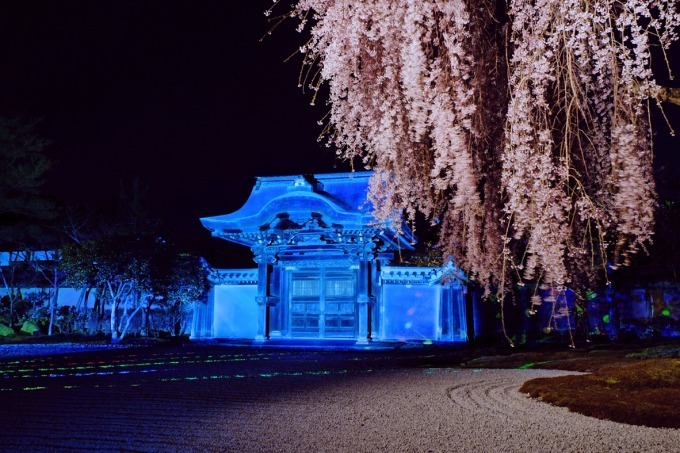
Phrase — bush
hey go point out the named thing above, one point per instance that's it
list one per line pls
(30, 327)
(6, 331)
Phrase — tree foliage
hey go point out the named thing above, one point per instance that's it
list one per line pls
(22, 171)
(520, 128)
(121, 252)
(179, 280)
(117, 265)
(137, 274)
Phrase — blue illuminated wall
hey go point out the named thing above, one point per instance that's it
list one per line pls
(418, 304)
(637, 312)
(411, 312)
(411, 304)
(235, 314)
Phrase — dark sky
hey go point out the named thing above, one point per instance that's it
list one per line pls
(180, 94)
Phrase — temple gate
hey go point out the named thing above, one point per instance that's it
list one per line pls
(320, 256)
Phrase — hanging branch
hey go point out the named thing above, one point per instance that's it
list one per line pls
(521, 129)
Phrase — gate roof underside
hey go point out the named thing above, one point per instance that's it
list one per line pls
(334, 205)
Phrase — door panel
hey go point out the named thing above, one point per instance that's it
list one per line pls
(327, 313)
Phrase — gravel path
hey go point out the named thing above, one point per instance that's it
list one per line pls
(439, 410)
(282, 401)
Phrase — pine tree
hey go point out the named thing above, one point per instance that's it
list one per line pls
(23, 211)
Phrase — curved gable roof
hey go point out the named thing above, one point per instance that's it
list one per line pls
(335, 201)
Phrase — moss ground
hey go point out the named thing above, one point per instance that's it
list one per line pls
(633, 384)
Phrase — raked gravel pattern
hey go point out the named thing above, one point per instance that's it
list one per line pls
(259, 401)
(436, 410)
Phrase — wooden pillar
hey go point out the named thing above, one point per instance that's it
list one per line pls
(364, 298)
(374, 296)
(275, 322)
(261, 298)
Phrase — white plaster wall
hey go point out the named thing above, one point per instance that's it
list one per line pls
(235, 311)
(67, 296)
(410, 312)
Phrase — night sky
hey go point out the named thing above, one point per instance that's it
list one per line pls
(180, 94)
(183, 95)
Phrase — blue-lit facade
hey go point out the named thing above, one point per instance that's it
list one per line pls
(323, 271)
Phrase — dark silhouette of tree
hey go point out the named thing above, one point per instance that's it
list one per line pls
(179, 279)
(23, 211)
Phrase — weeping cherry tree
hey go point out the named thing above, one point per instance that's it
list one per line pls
(521, 127)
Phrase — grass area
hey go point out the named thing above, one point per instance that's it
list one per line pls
(645, 393)
(625, 383)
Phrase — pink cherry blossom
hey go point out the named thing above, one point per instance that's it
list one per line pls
(523, 133)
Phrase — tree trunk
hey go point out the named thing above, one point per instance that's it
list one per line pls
(114, 323)
(53, 305)
(9, 288)
(128, 320)
(81, 311)
(144, 332)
